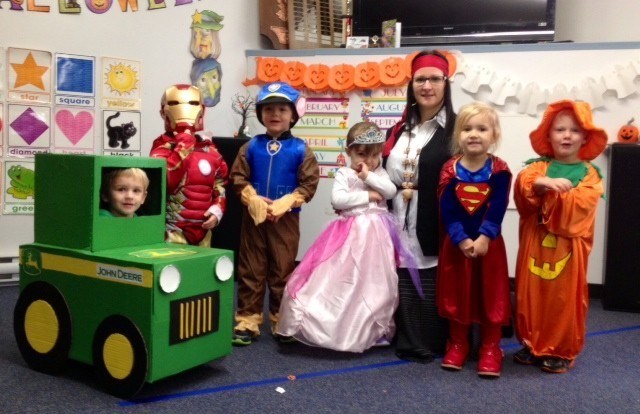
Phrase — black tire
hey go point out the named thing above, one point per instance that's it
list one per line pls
(119, 340)
(42, 327)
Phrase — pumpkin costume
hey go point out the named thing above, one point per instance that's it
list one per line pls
(556, 236)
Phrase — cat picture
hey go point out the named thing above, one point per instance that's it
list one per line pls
(120, 134)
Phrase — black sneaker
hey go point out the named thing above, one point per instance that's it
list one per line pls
(242, 338)
(525, 357)
(283, 339)
(556, 365)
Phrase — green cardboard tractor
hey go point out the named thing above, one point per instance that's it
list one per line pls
(109, 291)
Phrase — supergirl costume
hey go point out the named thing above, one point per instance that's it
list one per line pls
(474, 290)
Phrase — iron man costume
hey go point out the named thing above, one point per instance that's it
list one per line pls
(196, 172)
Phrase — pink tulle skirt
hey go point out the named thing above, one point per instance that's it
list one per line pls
(344, 292)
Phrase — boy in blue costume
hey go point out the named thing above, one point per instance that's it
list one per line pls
(273, 174)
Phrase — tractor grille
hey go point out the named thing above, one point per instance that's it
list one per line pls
(194, 317)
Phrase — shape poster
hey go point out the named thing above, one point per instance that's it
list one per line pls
(74, 130)
(74, 80)
(28, 130)
(121, 133)
(29, 75)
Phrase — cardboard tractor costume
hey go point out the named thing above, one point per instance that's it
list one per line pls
(109, 291)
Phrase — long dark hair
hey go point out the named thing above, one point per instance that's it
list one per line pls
(413, 112)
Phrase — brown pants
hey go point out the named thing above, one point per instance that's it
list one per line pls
(266, 257)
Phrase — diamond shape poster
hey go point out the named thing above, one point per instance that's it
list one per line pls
(28, 130)
(73, 130)
(120, 84)
(18, 193)
(29, 75)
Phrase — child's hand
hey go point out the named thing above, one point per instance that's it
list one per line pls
(210, 222)
(466, 246)
(544, 184)
(363, 171)
(375, 196)
(480, 246)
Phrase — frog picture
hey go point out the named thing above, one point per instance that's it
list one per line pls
(21, 184)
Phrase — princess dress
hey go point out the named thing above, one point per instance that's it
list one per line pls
(344, 292)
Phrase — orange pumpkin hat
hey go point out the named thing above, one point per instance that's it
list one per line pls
(596, 138)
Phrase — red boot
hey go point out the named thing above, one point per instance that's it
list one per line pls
(457, 346)
(490, 354)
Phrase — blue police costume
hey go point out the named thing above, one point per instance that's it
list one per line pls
(283, 170)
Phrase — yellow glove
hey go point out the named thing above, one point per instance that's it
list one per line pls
(255, 204)
(286, 203)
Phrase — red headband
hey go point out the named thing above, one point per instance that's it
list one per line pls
(430, 61)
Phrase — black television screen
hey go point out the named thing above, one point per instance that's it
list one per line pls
(427, 22)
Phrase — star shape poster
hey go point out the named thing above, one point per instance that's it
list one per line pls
(29, 75)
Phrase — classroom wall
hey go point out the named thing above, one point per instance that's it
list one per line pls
(160, 40)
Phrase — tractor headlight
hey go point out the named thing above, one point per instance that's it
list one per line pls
(169, 279)
(224, 268)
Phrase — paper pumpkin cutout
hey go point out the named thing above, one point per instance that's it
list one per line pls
(453, 62)
(293, 73)
(341, 77)
(392, 71)
(316, 78)
(367, 75)
(269, 69)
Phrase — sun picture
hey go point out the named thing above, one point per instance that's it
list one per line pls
(121, 78)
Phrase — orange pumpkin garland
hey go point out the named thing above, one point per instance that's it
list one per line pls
(316, 77)
(341, 78)
(293, 73)
(392, 71)
(367, 75)
(269, 69)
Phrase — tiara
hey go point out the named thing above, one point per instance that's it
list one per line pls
(370, 136)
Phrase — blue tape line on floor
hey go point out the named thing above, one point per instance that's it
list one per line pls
(317, 374)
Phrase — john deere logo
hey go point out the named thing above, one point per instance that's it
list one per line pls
(31, 262)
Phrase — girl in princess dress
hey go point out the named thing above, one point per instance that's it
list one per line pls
(344, 292)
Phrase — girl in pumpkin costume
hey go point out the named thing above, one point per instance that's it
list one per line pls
(557, 197)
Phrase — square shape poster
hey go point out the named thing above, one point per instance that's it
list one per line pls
(75, 80)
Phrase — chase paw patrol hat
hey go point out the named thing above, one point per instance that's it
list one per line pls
(279, 92)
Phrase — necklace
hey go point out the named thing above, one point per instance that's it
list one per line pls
(409, 171)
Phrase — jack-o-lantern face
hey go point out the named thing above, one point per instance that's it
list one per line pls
(628, 133)
(341, 78)
(99, 6)
(392, 71)
(293, 73)
(367, 75)
(316, 77)
(554, 254)
(269, 69)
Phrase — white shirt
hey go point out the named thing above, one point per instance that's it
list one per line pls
(420, 136)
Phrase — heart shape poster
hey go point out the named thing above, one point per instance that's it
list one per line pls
(74, 126)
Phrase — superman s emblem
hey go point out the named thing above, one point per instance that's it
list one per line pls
(472, 196)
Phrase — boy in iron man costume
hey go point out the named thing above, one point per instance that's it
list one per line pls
(196, 172)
